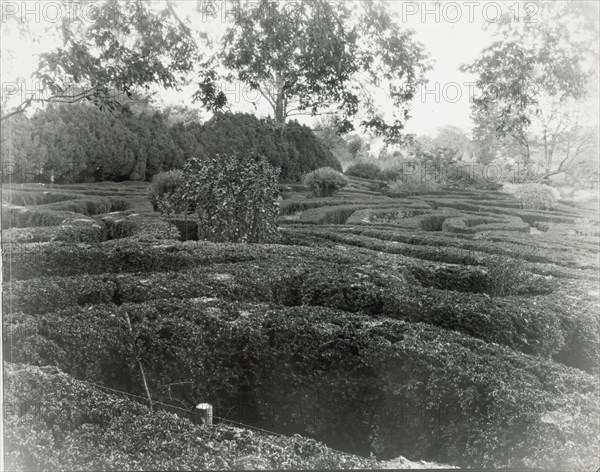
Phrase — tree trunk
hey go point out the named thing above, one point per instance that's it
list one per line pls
(280, 103)
(547, 160)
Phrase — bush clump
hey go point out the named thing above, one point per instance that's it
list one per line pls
(364, 170)
(325, 182)
(414, 185)
(235, 197)
(164, 185)
(534, 196)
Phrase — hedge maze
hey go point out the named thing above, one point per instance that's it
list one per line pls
(437, 327)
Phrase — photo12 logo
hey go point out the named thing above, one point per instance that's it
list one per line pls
(54, 12)
(454, 12)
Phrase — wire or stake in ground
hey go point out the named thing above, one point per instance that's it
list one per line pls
(190, 415)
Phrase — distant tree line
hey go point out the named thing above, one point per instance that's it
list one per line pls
(79, 143)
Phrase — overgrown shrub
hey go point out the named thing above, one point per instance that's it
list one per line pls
(392, 173)
(235, 197)
(364, 170)
(535, 196)
(324, 182)
(164, 185)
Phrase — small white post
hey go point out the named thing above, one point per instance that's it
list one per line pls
(204, 414)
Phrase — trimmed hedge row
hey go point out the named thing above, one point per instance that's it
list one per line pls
(473, 224)
(457, 248)
(407, 210)
(35, 197)
(33, 234)
(288, 207)
(493, 407)
(339, 214)
(37, 260)
(395, 293)
(586, 230)
(20, 217)
(138, 227)
(78, 230)
(55, 422)
(530, 217)
(90, 206)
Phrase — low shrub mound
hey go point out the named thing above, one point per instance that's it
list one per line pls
(163, 185)
(325, 182)
(81, 230)
(377, 371)
(106, 431)
(365, 170)
(536, 196)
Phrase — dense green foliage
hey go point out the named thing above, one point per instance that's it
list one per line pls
(106, 431)
(322, 50)
(386, 366)
(365, 170)
(105, 57)
(325, 182)
(79, 143)
(234, 196)
(373, 307)
(163, 186)
(536, 196)
(293, 148)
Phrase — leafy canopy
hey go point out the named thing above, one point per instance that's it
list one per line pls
(123, 46)
(316, 57)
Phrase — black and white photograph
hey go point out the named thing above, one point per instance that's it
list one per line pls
(300, 235)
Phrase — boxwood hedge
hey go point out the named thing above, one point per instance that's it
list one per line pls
(383, 386)
(437, 295)
(54, 422)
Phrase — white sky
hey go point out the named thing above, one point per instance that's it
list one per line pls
(449, 41)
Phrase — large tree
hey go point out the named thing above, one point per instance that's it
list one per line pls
(317, 56)
(106, 55)
(532, 83)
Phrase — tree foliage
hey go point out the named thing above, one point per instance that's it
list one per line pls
(128, 46)
(530, 80)
(315, 56)
(78, 143)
